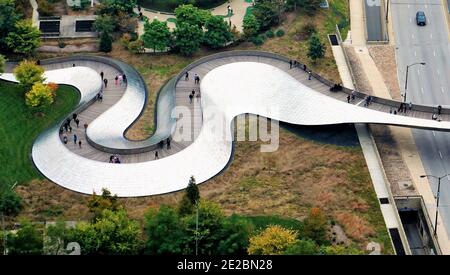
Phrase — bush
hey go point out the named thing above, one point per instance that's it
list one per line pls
(105, 43)
(61, 44)
(270, 34)
(258, 40)
(45, 8)
(136, 46)
(40, 96)
(279, 33)
(28, 73)
(10, 202)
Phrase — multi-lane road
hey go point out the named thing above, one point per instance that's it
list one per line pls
(429, 84)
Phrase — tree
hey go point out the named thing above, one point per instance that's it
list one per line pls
(187, 38)
(190, 198)
(113, 7)
(24, 39)
(192, 191)
(55, 239)
(40, 96)
(97, 204)
(111, 234)
(316, 48)
(191, 15)
(10, 202)
(156, 35)
(250, 25)
(266, 13)
(165, 232)
(26, 241)
(274, 240)
(8, 20)
(125, 22)
(315, 226)
(310, 7)
(104, 24)
(235, 235)
(2, 63)
(105, 42)
(302, 247)
(28, 73)
(218, 32)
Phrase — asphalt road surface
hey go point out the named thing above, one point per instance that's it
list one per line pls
(429, 84)
(373, 21)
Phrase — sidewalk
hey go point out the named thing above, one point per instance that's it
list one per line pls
(403, 136)
(35, 17)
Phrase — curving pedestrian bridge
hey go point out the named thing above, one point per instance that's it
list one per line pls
(231, 84)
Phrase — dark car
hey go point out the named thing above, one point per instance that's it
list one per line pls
(421, 19)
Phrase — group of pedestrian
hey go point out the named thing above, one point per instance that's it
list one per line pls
(196, 79)
(67, 129)
(114, 159)
(119, 79)
(402, 108)
(293, 64)
(192, 95)
(351, 97)
(368, 101)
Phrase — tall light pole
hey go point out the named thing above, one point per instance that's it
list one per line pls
(407, 71)
(437, 196)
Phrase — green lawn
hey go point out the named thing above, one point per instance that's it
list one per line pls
(19, 128)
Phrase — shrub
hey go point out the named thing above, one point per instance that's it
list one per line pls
(40, 96)
(279, 33)
(10, 202)
(270, 34)
(274, 240)
(45, 8)
(28, 73)
(136, 46)
(105, 42)
(258, 40)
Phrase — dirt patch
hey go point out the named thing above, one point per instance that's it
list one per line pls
(362, 82)
(384, 57)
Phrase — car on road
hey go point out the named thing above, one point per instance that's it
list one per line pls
(421, 19)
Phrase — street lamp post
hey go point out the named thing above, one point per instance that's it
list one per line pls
(437, 197)
(406, 82)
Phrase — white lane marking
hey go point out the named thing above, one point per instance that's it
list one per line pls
(442, 89)
(415, 53)
(434, 52)
(418, 71)
(440, 154)
(412, 35)
(434, 133)
(421, 89)
(438, 72)
(431, 35)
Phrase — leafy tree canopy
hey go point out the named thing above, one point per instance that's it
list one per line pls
(156, 35)
(24, 39)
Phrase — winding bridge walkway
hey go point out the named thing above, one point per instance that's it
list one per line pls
(232, 83)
